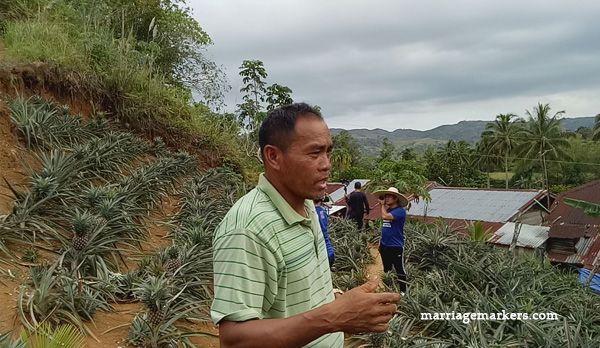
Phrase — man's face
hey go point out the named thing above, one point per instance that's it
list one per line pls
(306, 163)
(390, 199)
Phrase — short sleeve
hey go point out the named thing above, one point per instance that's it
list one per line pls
(399, 214)
(245, 277)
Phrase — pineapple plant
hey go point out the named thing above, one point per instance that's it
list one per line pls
(173, 261)
(154, 293)
(63, 110)
(31, 255)
(108, 209)
(81, 228)
(43, 186)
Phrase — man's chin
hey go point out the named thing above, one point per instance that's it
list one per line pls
(318, 195)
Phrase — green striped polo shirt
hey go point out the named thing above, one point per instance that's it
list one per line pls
(270, 262)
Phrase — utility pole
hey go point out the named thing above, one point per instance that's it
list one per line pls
(517, 231)
(546, 178)
(595, 267)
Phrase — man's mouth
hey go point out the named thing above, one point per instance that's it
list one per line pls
(322, 183)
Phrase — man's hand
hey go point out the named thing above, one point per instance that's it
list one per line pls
(360, 310)
(356, 311)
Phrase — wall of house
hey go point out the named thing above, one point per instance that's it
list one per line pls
(533, 216)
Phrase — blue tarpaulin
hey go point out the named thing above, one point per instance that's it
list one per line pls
(583, 276)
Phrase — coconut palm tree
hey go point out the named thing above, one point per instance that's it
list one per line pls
(340, 160)
(502, 137)
(486, 160)
(543, 139)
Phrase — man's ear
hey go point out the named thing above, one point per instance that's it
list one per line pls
(273, 156)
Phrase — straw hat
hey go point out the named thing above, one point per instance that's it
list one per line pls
(403, 201)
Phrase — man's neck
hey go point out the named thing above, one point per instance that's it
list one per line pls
(296, 203)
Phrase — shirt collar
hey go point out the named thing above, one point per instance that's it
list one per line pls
(286, 211)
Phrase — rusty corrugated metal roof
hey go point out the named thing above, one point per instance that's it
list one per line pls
(338, 194)
(587, 251)
(566, 221)
(374, 207)
(529, 236)
(332, 187)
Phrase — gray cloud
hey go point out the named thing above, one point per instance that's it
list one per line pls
(418, 64)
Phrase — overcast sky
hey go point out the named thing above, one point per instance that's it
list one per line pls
(413, 64)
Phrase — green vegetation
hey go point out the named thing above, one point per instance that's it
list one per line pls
(448, 274)
(138, 60)
(501, 175)
(44, 336)
(500, 139)
(352, 252)
(88, 204)
(94, 187)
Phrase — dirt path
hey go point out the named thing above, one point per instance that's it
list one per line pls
(377, 267)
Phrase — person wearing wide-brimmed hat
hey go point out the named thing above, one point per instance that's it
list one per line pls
(391, 244)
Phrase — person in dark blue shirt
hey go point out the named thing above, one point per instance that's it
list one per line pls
(391, 244)
(324, 221)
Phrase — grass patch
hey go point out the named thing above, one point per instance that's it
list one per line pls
(120, 71)
(501, 175)
(43, 40)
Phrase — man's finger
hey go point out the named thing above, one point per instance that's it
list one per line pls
(387, 297)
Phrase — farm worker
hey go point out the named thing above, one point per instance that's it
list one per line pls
(324, 221)
(271, 272)
(391, 244)
(358, 205)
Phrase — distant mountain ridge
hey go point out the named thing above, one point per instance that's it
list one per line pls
(370, 139)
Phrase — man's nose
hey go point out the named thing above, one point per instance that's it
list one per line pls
(325, 164)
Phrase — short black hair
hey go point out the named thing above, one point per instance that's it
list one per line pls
(277, 128)
(357, 185)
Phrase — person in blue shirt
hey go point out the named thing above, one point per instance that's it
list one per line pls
(324, 221)
(391, 244)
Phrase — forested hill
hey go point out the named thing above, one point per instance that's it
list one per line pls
(370, 140)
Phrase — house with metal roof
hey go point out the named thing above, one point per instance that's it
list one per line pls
(530, 237)
(336, 192)
(573, 237)
(475, 204)
(496, 209)
(374, 206)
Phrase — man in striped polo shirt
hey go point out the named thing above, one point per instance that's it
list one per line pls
(272, 280)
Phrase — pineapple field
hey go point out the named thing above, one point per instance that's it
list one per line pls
(76, 240)
(105, 239)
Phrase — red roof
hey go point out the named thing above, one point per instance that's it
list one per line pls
(375, 208)
(332, 187)
(566, 221)
(587, 251)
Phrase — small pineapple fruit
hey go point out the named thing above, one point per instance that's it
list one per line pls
(81, 229)
(173, 262)
(155, 314)
(154, 292)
